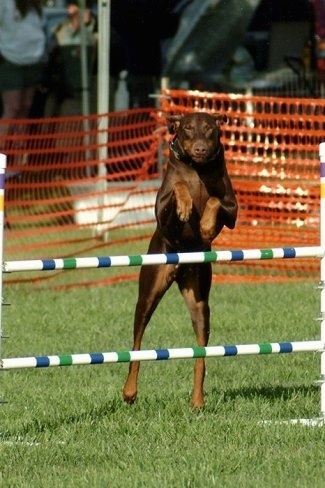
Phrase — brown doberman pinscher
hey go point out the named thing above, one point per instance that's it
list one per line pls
(196, 199)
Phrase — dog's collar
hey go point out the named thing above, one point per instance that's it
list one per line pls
(180, 154)
(178, 151)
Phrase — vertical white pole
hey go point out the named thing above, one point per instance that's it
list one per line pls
(3, 164)
(84, 59)
(85, 85)
(103, 107)
(322, 271)
(104, 35)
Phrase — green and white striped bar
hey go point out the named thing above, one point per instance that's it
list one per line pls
(162, 354)
(168, 258)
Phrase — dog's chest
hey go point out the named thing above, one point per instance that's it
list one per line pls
(202, 187)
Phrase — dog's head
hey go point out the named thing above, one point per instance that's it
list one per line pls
(197, 136)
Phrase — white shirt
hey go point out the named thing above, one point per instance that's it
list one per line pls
(22, 39)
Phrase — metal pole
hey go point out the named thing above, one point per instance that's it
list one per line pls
(322, 272)
(104, 20)
(103, 88)
(3, 164)
(85, 85)
(84, 60)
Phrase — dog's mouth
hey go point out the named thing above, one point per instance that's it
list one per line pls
(204, 156)
(199, 159)
(197, 154)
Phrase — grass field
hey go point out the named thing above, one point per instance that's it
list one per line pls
(69, 426)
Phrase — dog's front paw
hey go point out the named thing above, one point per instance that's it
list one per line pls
(209, 219)
(207, 232)
(184, 209)
(184, 201)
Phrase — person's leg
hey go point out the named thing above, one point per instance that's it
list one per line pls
(26, 101)
(17, 98)
(11, 108)
(17, 103)
(11, 101)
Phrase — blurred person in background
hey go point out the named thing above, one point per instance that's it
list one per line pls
(64, 66)
(22, 55)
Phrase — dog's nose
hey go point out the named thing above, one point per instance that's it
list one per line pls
(200, 149)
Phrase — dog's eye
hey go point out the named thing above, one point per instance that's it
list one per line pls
(208, 130)
(189, 130)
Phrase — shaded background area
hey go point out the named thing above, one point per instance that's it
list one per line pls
(266, 46)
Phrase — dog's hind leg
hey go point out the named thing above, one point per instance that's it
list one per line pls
(154, 281)
(194, 282)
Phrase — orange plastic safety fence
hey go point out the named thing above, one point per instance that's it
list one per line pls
(76, 185)
(86, 185)
(272, 155)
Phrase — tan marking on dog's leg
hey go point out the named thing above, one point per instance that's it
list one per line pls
(200, 315)
(153, 283)
(130, 387)
(184, 201)
(199, 367)
(198, 393)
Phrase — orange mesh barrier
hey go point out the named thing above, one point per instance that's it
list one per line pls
(272, 150)
(74, 188)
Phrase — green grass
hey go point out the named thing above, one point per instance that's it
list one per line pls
(69, 426)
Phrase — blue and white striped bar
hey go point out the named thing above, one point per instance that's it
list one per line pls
(162, 354)
(169, 258)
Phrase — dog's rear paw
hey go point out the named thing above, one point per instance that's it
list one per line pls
(129, 399)
(128, 396)
(197, 403)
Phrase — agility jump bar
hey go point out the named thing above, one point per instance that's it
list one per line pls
(162, 354)
(168, 258)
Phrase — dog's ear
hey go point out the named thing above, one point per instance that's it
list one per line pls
(220, 119)
(173, 122)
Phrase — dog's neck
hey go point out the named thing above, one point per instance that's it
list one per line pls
(181, 155)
